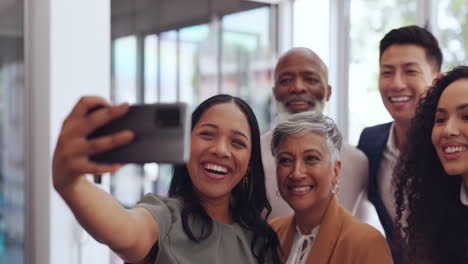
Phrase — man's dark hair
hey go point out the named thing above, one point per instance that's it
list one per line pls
(417, 36)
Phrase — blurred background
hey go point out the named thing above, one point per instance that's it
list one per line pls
(147, 51)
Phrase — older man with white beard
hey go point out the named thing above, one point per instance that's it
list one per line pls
(301, 84)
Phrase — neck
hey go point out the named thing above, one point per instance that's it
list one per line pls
(217, 209)
(310, 218)
(401, 131)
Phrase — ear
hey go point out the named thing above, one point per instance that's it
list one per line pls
(336, 172)
(329, 91)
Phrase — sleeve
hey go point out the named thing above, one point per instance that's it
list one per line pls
(373, 249)
(162, 213)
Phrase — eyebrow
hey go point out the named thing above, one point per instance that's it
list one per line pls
(405, 65)
(462, 106)
(233, 131)
(458, 108)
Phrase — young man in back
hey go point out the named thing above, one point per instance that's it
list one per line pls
(410, 59)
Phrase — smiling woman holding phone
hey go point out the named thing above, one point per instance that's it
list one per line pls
(214, 212)
(432, 175)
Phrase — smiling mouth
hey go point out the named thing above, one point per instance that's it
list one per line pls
(298, 103)
(301, 188)
(399, 99)
(454, 149)
(216, 169)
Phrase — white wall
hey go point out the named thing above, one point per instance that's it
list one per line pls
(67, 56)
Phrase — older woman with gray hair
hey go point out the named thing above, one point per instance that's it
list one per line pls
(306, 148)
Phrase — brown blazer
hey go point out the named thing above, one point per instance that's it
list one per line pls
(342, 238)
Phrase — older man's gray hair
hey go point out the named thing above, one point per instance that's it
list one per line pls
(310, 121)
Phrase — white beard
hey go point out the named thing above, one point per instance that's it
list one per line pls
(282, 113)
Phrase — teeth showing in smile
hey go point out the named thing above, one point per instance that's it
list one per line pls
(300, 189)
(215, 169)
(450, 150)
(399, 99)
(298, 103)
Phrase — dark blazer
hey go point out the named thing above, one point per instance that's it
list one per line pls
(372, 142)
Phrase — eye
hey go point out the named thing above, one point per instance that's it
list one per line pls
(465, 117)
(206, 134)
(439, 120)
(411, 72)
(386, 73)
(284, 81)
(311, 80)
(284, 161)
(311, 158)
(239, 143)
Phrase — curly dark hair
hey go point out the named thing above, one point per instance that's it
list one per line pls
(248, 200)
(436, 229)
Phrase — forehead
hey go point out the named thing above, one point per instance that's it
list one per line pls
(303, 142)
(455, 94)
(402, 54)
(226, 116)
(297, 62)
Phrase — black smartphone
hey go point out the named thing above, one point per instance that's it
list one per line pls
(161, 135)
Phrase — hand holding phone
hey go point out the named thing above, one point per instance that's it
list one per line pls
(161, 135)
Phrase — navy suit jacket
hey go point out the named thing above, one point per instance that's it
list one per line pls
(372, 142)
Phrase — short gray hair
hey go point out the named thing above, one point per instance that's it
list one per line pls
(310, 121)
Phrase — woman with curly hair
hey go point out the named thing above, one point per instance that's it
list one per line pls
(432, 175)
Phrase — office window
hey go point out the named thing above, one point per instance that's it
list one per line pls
(370, 21)
(151, 69)
(12, 134)
(194, 49)
(125, 70)
(452, 32)
(248, 59)
(168, 66)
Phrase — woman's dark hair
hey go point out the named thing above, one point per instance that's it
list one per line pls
(248, 198)
(436, 229)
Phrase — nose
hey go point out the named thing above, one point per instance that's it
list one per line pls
(220, 148)
(297, 86)
(451, 128)
(398, 81)
(298, 172)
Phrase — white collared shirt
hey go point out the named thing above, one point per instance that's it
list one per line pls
(464, 195)
(388, 162)
(299, 253)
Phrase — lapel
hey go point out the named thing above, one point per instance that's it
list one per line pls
(376, 149)
(287, 240)
(328, 234)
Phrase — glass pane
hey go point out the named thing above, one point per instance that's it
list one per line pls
(453, 32)
(192, 39)
(151, 69)
(207, 65)
(311, 28)
(370, 21)
(248, 60)
(125, 65)
(168, 67)
(12, 133)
